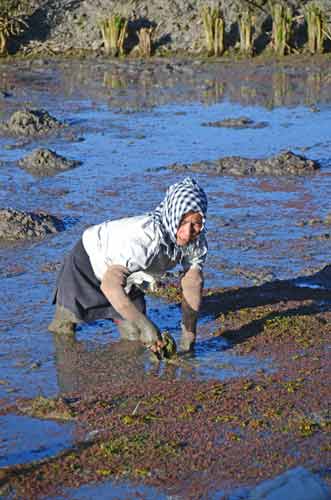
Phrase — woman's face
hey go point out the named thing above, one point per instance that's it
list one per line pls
(189, 228)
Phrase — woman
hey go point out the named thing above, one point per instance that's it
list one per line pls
(106, 272)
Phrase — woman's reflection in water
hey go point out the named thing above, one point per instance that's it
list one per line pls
(83, 368)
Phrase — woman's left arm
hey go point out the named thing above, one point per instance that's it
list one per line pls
(192, 285)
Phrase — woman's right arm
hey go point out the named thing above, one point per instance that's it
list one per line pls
(112, 286)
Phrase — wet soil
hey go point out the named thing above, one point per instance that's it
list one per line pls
(17, 225)
(286, 163)
(30, 122)
(46, 162)
(241, 122)
(254, 399)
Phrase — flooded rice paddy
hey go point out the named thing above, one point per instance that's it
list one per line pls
(127, 125)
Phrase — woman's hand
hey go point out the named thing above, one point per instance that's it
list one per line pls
(157, 347)
(149, 332)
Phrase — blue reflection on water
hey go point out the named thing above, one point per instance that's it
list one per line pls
(26, 439)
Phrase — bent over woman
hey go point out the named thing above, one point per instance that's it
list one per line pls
(105, 275)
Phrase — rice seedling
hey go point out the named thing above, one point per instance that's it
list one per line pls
(245, 23)
(114, 32)
(213, 21)
(281, 27)
(12, 21)
(145, 41)
(315, 26)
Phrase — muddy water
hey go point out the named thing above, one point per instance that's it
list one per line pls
(127, 129)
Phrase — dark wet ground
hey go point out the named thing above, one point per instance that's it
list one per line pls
(128, 125)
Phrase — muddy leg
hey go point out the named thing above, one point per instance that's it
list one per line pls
(189, 327)
(64, 321)
(187, 340)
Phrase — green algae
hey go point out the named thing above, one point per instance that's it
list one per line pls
(171, 447)
(294, 385)
(307, 427)
(170, 292)
(139, 419)
(42, 407)
(124, 445)
(189, 410)
(225, 419)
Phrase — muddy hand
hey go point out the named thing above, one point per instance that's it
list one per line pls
(157, 348)
(149, 332)
(165, 348)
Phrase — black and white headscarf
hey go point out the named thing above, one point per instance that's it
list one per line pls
(181, 198)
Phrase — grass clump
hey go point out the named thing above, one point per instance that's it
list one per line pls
(315, 20)
(145, 41)
(12, 21)
(213, 22)
(246, 22)
(114, 32)
(281, 27)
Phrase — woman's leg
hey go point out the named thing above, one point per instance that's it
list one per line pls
(64, 321)
(69, 281)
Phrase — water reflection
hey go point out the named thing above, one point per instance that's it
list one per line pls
(313, 87)
(82, 369)
(281, 89)
(25, 439)
(114, 81)
(156, 82)
(215, 92)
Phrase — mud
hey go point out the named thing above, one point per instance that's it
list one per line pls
(47, 162)
(16, 225)
(285, 163)
(58, 27)
(252, 402)
(31, 122)
(241, 122)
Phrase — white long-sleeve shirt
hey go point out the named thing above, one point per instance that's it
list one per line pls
(135, 243)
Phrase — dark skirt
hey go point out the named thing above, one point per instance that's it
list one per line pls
(78, 289)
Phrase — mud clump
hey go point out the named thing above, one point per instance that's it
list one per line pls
(17, 226)
(285, 163)
(46, 162)
(31, 122)
(241, 122)
(42, 407)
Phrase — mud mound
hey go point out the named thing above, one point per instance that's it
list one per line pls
(46, 162)
(16, 225)
(285, 163)
(31, 122)
(241, 122)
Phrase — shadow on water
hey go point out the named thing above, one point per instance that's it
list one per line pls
(314, 288)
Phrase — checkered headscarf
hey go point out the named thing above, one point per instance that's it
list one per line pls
(181, 198)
